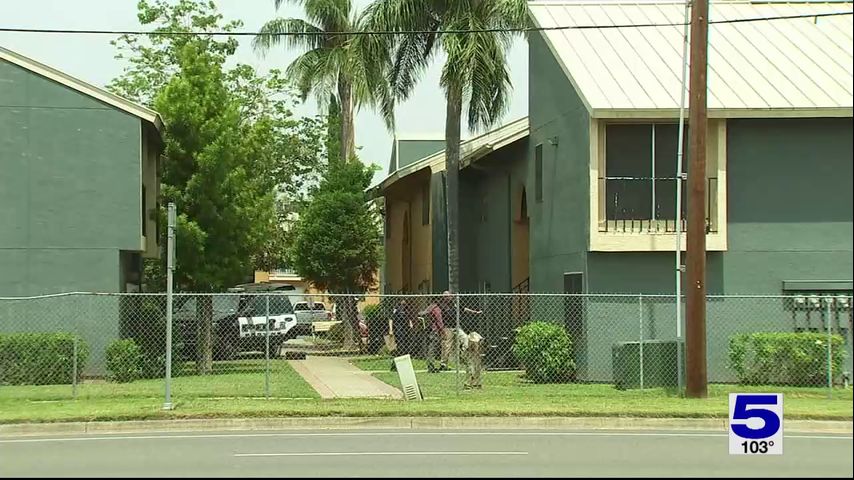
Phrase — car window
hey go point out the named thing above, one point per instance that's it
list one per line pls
(300, 306)
(279, 305)
(319, 306)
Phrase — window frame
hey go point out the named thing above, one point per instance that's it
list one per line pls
(602, 240)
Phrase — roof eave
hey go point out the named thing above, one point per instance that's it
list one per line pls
(670, 113)
(97, 93)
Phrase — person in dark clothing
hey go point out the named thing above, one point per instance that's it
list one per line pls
(401, 326)
(434, 331)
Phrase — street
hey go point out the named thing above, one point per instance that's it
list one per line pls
(414, 453)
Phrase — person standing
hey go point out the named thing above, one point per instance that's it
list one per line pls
(434, 331)
(449, 313)
(401, 326)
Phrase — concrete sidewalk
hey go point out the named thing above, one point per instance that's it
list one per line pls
(334, 377)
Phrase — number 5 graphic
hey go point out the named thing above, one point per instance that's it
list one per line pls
(742, 412)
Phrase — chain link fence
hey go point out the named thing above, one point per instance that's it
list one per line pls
(246, 344)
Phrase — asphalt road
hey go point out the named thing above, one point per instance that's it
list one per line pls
(409, 453)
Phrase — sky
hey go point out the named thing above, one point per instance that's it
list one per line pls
(91, 58)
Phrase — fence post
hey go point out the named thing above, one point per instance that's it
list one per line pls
(829, 301)
(170, 267)
(267, 349)
(74, 369)
(640, 345)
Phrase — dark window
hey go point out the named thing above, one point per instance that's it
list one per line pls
(425, 206)
(279, 305)
(386, 222)
(538, 172)
(144, 216)
(640, 172)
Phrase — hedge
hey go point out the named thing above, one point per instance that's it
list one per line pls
(40, 358)
(545, 351)
(144, 321)
(778, 358)
(124, 360)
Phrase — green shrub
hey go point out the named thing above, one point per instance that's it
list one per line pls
(124, 360)
(777, 358)
(545, 352)
(371, 312)
(144, 320)
(40, 358)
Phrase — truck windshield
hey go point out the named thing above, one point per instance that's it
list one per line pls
(279, 305)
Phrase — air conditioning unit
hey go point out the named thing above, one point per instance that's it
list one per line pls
(408, 382)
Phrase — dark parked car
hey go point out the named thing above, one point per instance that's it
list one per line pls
(240, 321)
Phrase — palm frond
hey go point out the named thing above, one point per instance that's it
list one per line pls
(333, 15)
(289, 32)
(411, 57)
(313, 72)
(489, 82)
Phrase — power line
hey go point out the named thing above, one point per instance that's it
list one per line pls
(224, 33)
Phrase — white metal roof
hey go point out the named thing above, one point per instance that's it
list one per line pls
(783, 67)
(85, 88)
(470, 151)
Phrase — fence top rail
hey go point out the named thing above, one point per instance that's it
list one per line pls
(423, 295)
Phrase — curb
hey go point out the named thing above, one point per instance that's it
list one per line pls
(405, 423)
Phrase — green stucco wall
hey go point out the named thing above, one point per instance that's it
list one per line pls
(439, 231)
(486, 190)
(69, 204)
(790, 203)
(789, 218)
(408, 151)
(69, 189)
(559, 224)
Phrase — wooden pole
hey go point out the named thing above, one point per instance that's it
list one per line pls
(696, 385)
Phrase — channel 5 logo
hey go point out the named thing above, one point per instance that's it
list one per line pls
(756, 423)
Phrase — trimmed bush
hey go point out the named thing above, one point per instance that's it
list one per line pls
(545, 352)
(144, 321)
(124, 361)
(40, 358)
(778, 358)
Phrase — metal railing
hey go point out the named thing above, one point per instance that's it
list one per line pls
(647, 205)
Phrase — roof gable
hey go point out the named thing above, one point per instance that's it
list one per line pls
(78, 85)
(780, 67)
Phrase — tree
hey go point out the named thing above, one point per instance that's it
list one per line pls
(475, 71)
(153, 59)
(233, 149)
(337, 239)
(332, 66)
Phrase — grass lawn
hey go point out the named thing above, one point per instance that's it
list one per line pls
(376, 363)
(507, 393)
(504, 394)
(241, 378)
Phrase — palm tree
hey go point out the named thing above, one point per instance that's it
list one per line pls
(334, 64)
(475, 71)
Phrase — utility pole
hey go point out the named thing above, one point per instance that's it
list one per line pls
(696, 385)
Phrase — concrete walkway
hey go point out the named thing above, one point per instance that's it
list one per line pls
(335, 377)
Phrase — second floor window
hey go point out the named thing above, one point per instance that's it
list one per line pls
(639, 181)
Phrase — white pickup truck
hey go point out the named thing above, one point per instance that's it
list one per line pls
(307, 313)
